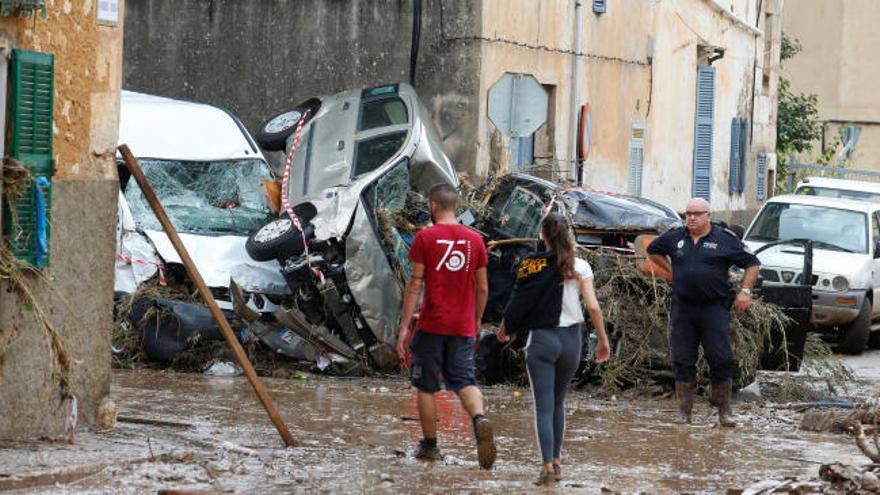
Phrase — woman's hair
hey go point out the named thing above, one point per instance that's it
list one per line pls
(554, 229)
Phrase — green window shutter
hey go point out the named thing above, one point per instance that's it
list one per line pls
(704, 116)
(32, 79)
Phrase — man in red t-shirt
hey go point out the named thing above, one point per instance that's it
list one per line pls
(449, 260)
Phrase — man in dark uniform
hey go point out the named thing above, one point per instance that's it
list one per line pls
(701, 255)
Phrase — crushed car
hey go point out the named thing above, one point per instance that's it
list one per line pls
(209, 175)
(355, 160)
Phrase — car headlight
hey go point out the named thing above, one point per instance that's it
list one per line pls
(840, 283)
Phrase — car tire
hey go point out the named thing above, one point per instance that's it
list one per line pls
(277, 240)
(273, 134)
(855, 335)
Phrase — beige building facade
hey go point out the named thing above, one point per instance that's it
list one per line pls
(55, 342)
(839, 61)
(638, 65)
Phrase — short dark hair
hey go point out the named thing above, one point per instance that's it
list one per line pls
(444, 195)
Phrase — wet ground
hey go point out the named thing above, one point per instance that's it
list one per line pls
(186, 431)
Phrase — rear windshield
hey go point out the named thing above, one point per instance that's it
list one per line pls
(828, 192)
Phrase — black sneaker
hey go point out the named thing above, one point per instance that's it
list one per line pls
(485, 442)
(428, 453)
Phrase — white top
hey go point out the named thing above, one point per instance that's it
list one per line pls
(572, 311)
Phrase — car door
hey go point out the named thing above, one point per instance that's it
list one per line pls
(875, 262)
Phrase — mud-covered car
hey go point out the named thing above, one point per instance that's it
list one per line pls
(207, 172)
(361, 155)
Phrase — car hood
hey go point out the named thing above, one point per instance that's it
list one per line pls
(219, 258)
(825, 261)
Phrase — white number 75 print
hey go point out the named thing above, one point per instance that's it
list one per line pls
(454, 259)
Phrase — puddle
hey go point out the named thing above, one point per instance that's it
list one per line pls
(358, 435)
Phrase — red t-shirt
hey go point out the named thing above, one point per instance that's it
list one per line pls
(451, 254)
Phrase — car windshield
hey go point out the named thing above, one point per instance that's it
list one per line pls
(828, 228)
(215, 196)
(828, 192)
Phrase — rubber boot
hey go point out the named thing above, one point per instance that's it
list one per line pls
(685, 394)
(721, 399)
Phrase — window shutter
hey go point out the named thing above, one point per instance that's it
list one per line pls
(703, 121)
(32, 79)
(760, 183)
(744, 133)
(600, 6)
(636, 159)
(735, 153)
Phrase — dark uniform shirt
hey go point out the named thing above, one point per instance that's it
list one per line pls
(700, 271)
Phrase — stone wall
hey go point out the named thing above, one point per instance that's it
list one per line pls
(262, 57)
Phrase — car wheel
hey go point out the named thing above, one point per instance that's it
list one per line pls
(278, 239)
(855, 335)
(273, 134)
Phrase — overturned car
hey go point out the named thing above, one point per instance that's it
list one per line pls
(354, 161)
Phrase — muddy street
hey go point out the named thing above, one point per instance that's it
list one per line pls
(188, 431)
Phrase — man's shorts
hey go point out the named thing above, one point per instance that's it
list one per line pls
(450, 354)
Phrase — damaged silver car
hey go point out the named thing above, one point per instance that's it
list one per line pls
(360, 154)
(207, 172)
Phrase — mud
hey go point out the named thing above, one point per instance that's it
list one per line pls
(187, 431)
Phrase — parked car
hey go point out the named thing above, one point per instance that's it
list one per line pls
(839, 188)
(206, 171)
(362, 153)
(845, 278)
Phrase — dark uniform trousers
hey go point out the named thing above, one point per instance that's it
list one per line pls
(696, 324)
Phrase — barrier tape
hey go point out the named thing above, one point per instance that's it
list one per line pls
(130, 260)
(285, 200)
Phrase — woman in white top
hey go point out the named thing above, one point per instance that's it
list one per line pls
(553, 354)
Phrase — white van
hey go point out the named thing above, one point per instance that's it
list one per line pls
(206, 171)
(839, 188)
(845, 279)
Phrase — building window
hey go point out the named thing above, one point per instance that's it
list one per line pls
(636, 158)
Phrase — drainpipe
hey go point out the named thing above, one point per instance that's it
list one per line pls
(576, 87)
(4, 68)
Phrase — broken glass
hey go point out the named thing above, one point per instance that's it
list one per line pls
(215, 196)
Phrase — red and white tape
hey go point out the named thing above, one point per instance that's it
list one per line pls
(130, 260)
(285, 200)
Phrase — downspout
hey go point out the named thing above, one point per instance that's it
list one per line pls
(416, 39)
(4, 71)
(576, 89)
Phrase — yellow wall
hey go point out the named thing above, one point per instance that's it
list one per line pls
(840, 63)
(624, 83)
(88, 77)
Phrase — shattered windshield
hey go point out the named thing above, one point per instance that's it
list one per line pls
(828, 228)
(216, 196)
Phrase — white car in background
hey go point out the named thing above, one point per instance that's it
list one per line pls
(845, 236)
(839, 188)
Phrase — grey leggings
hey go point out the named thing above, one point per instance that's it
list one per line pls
(552, 357)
